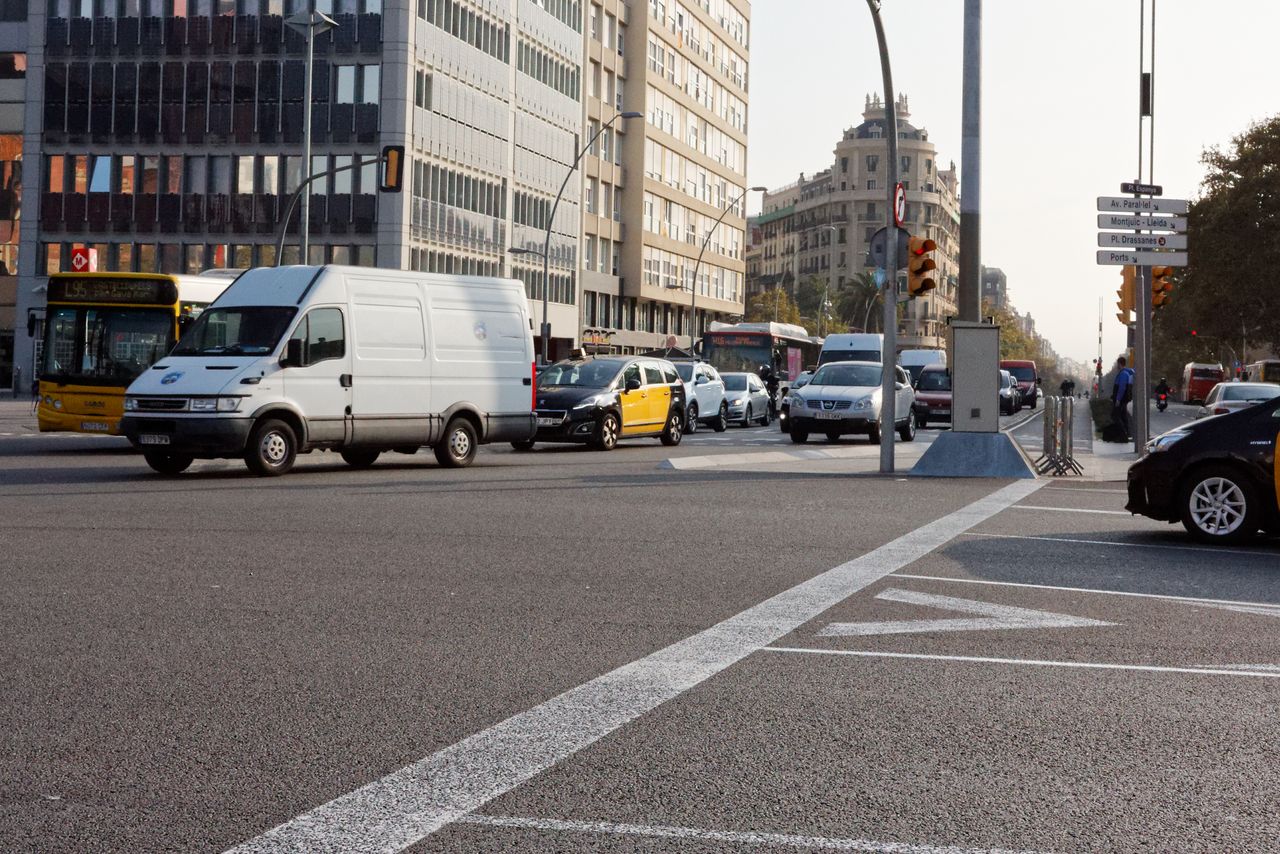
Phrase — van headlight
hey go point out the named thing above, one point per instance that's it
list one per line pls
(229, 404)
(215, 404)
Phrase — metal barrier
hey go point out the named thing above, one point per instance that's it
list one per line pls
(1057, 456)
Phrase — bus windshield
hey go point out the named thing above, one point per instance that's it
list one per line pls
(738, 352)
(105, 344)
(247, 330)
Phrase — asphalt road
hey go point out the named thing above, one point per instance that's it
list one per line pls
(565, 650)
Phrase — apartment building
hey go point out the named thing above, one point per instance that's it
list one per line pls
(13, 74)
(827, 220)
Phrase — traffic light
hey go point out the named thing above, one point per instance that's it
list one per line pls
(392, 169)
(1125, 294)
(919, 266)
(1161, 287)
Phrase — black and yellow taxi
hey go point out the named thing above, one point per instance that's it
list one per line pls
(1220, 476)
(597, 400)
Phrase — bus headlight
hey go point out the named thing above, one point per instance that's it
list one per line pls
(57, 404)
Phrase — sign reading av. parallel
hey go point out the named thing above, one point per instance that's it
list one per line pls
(1127, 204)
(1122, 258)
(1123, 239)
(1142, 223)
(1142, 189)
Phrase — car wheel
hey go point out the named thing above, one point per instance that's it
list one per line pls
(606, 437)
(359, 458)
(168, 464)
(767, 418)
(273, 448)
(746, 416)
(833, 437)
(722, 420)
(673, 432)
(457, 448)
(523, 445)
(1219, 505)
(1034, 401)
(874, 434)
(908, 431)
(691, 419)
(799, 436)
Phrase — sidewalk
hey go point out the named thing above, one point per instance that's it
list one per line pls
(16, 416)
(1101, 461)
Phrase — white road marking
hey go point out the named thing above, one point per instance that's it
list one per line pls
(1246, 607)
(1071, 510)
(764, 457)
(1214, 550)
(409, 804)
(1216, 670)
(1262, 610)
(1085, 490)
(995, 617)
(777, 840)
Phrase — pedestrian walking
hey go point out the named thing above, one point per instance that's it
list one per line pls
(1121, 396)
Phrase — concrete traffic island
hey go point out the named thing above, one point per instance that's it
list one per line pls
(955, 454)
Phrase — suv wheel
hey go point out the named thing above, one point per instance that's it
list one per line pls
(691, 419)
(722, 420)
(908, 430)
(1219, 505)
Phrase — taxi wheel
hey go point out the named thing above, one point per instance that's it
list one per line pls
(674, 431)
(168, 464)
(272, 450)
(606, 437)
(722, 420)
(1219, 505)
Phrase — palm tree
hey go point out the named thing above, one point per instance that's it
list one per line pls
(855, 298)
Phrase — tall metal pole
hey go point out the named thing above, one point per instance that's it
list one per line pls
(693, 302)
(970, 289)
(304, 226)
(830, 287)
(1142, 299)
(888, 378)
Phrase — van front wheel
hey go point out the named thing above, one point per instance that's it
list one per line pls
(272, 450)
(457, 448)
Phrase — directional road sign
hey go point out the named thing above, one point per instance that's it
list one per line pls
(1128, 204)
(1142, 223)
(1142, 189)
(1126, 240)
(1123, 257)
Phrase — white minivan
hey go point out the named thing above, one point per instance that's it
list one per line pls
(851, 347)
(358, 360)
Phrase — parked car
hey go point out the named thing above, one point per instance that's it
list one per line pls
(784, 408)
(1028, 377)
(1232, 397)
(1010, 394)
(358, 360)
(747, 398)
(933, 395)
(1217, 476)
(598, 400)
(704, 390)
(844, 398)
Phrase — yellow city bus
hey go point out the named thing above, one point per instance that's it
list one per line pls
(1266, 371)
(101, 330)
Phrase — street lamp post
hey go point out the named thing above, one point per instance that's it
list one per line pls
(831, 278)
(693, 287)
(546, 245)
(310, 24)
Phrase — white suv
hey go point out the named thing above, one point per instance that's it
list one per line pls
(704, 389)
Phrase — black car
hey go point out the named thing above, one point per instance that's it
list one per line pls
(598, 400)
(1217, 476)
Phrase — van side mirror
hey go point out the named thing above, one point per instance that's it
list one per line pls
(1037, 381)
(292, 354)
(633, 385)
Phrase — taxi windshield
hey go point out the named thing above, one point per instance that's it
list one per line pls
(598, 373)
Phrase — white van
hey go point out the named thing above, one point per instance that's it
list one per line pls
(914, 361)
(851, 347)
(358, 360)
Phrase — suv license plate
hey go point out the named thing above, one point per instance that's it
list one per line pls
(830, 416)
(152, 439)
(548, 422)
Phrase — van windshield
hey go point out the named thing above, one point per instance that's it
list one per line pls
(848, 356)
(1023, 374)
(245, 330)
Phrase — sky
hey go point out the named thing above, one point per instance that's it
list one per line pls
(1059, 117)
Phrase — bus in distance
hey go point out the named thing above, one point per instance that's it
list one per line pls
(786, 348)
(101, 330)
(1198, 379)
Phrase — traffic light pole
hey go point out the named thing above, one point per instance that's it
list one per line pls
(888, 384)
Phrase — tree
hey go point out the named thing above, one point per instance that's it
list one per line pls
(854, 300)
(1228, 293)
(810, 295)
(774, 304)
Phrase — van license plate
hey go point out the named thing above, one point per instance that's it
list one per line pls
(549, 422)
(830, 416)
(152, 439)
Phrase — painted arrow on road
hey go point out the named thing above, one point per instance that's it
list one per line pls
(991, 617)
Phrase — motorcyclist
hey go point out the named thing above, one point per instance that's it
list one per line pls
(1162, 393)
(770, 380)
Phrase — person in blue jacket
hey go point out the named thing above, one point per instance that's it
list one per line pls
(1122, 395)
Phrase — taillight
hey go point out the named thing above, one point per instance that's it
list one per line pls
(533, 390)
(1220, 410)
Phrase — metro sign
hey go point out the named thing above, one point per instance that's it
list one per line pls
(84, 260)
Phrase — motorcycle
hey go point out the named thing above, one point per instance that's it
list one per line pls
(1162, 402)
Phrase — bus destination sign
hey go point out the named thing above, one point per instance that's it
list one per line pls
(111, 290)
